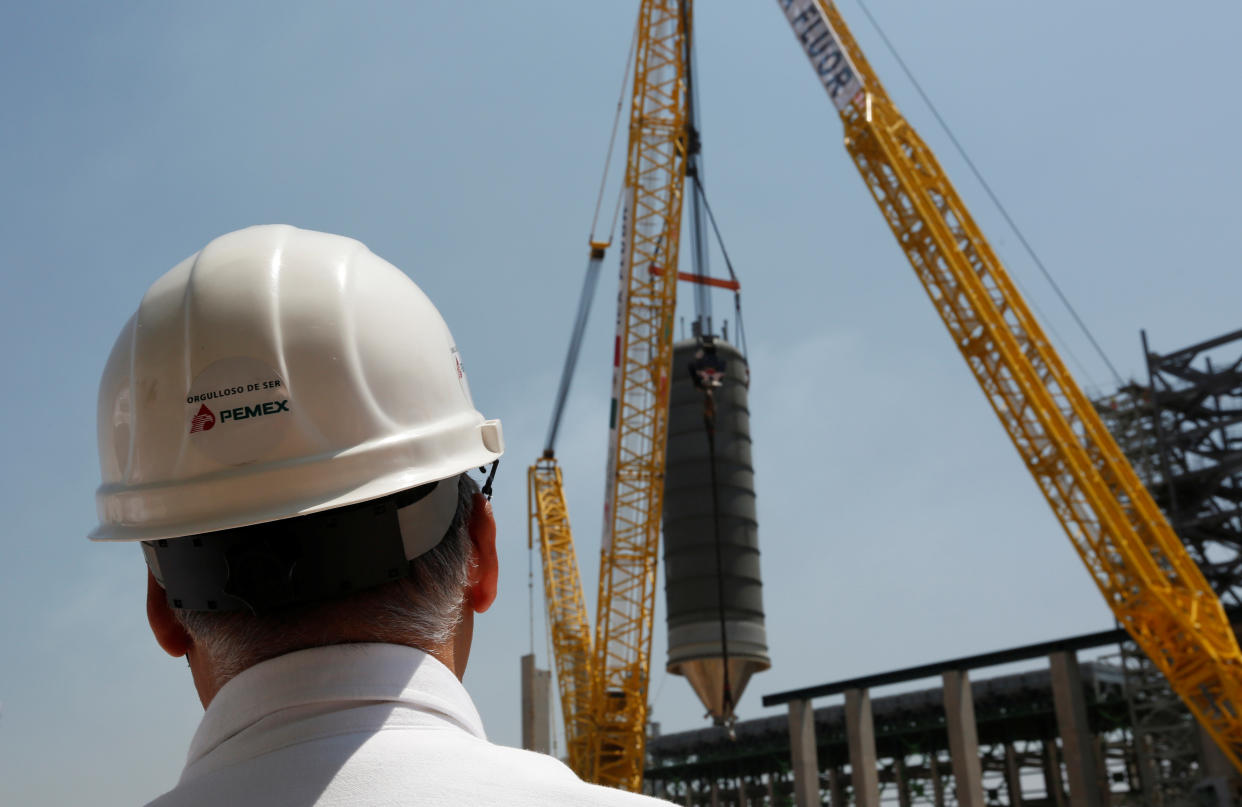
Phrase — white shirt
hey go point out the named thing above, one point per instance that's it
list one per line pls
(363, 724)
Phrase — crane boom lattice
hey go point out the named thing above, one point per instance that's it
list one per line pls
(567, 617)
(654, 180)
(1136, 560)
(603, 683)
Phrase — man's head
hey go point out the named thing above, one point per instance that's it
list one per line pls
(431, 607)
(285, 425)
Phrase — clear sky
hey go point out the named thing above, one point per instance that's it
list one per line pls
(463, 142)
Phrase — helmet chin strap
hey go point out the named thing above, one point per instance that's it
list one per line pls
(486, 490)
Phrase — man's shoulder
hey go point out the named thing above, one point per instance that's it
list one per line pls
(398, 767)
(549, 781)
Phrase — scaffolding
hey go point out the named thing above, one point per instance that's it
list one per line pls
(1182, 432)
(1195, 399)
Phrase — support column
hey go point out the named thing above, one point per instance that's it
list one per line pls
(903, 784)
(715, 792)
(836, 797)
(1215, 763)
(1102, 775)
(536, 702)
(860, 729)
(1077, 743)
(1217, 769)
(933, 765)
(1013, 776)
(771, 790)
(1052, 775)
(959, 709)
(804, 752)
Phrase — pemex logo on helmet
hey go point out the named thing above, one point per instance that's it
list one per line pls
(203, 420)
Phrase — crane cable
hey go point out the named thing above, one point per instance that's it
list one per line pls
(612, 141)
(737, 295)
(590, 281)
(1030, 250)
(708, 371)
(709, 423)
(590, 278)
(694, 172)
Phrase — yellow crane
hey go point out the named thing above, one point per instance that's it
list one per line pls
(603, 683)
(1136, 560)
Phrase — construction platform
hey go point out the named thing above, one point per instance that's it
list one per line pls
(1015, 717)
(1020, 741)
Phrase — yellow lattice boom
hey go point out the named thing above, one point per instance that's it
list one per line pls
(567, 614)
(654, 178)
(1137, 561)
(604, 683)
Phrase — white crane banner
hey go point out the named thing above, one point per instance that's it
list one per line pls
(829, 60)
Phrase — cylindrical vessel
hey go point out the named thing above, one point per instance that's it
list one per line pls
(704, 583)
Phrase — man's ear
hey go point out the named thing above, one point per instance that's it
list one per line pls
(168, 631)
(485, 577)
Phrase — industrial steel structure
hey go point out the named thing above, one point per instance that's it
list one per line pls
(1020, 759)
(1182, 431)
(1195, 399)
(1021, 753)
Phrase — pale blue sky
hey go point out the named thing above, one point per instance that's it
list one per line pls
(463, 142)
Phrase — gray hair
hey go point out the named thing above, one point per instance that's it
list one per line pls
(422, 610)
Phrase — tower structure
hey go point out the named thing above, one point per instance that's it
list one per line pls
(1196, 403)
(1182, 432)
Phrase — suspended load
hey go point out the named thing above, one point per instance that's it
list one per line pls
(712, 588)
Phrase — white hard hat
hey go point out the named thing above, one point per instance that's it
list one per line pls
(277, 373)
